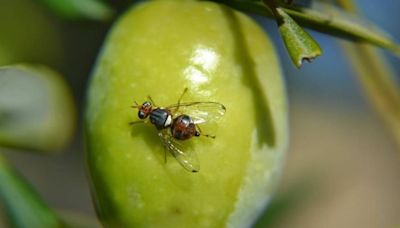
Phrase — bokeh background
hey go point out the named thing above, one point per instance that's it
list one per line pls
(342, 169)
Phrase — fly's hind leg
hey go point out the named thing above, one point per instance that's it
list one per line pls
(166, 145)
(165, 154)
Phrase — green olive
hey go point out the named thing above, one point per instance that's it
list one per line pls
(159, 48)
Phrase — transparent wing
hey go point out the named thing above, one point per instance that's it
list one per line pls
(188, 159)
(200, 112)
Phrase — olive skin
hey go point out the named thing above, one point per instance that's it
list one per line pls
(158, 48)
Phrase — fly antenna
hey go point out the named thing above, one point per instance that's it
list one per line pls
(136, 105)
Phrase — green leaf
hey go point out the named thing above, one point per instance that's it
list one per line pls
(377, 79)
(28, 34)
(36, 108)
(335, 21)
(379, 83)
(338, 23)
(22, 205)
(78, 9)
(300, 45)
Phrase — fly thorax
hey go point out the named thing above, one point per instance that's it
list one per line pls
(161, 118)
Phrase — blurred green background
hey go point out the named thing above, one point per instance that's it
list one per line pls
(342, 169)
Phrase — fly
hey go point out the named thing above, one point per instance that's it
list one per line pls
(179, 122)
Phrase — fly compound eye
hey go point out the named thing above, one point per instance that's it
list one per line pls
(141, 115)
(146, 104)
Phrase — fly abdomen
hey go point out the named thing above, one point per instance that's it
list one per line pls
(161, 118)
(183, 128)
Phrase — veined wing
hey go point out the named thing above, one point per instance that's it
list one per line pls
(200, 112)
(188, 159)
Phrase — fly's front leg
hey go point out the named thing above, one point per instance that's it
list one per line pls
(136, 105)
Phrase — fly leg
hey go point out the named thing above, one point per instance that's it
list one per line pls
(165, 154)
(180, 98)
(137, 122)
(166, 145)
(151, 100)
(136, 105)
(200, 133)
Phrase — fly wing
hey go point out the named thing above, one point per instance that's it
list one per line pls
(188, 159)
(200, 112)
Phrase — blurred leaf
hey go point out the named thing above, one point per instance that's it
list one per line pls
(28, 34)
(377, 78)
(36, 108)
(76, 220)
(22, 205)
(378, 81)
(338, 23)
(77, 9)
(300, 45)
